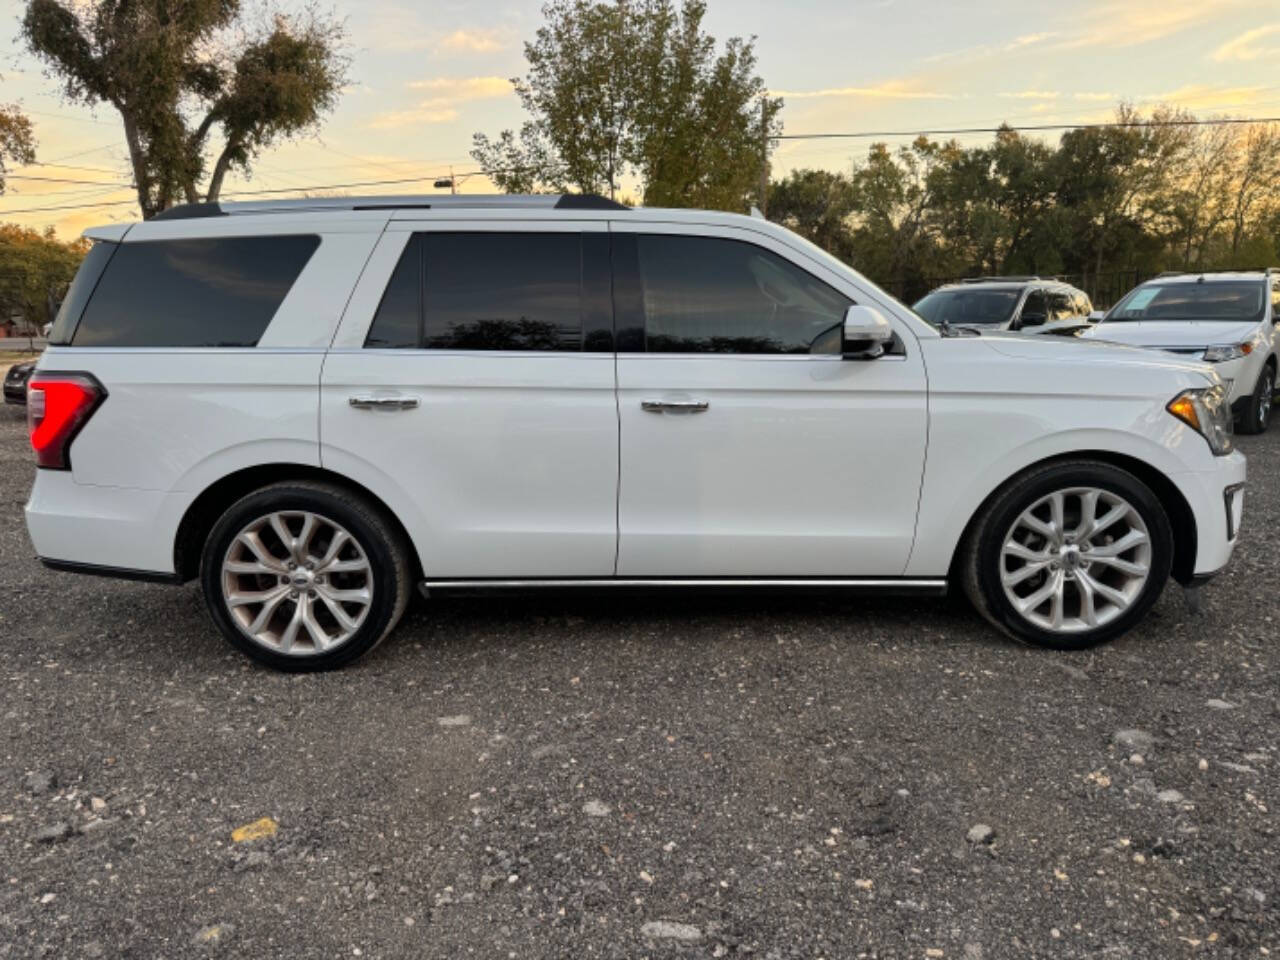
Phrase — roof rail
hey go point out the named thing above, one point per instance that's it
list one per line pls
(998, 279)
(495, 201)
(1201, 273)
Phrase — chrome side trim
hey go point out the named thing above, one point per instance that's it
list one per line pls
(888, 583)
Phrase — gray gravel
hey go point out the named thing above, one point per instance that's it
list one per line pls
(684, 776)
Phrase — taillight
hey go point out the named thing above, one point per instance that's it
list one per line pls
(58, 405)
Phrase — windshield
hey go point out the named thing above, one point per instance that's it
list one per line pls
(1235, 300)
(968, 307)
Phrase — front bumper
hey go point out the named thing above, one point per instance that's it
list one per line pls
(1216, 498)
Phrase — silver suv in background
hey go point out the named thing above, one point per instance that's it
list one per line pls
(1029, 304)
(1227, 318)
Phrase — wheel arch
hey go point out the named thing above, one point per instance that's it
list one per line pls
(1181, 517)
(205, 509)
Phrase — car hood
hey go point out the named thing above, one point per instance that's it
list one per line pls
(1172, 333)
(1088, 349)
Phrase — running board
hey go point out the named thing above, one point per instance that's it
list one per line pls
(885, 585)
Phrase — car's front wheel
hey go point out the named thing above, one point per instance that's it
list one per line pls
(1069, 555)
(1257, 412)
(305, 576)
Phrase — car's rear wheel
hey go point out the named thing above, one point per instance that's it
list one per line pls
(1069, 555)
(305, 576)
(1257, 412)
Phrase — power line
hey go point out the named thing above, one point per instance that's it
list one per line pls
(1028, 128)
(91, 183)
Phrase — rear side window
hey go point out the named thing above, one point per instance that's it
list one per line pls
(709, 295)
(86, 278)
(214, 292)
(489, 291)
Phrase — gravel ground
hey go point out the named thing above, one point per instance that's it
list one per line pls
(641, 777)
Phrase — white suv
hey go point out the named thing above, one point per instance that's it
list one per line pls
(1227, 318)
(313, 406)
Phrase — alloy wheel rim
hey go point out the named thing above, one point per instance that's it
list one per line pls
(1264, 407)
(1075, 560)
(297, 583)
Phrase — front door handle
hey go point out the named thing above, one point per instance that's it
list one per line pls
(674, 406)
(383, 403)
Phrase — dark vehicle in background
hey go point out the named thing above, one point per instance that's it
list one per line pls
(1029, 304)
(15, 382)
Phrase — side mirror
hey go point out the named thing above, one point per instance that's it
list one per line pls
(1096, 315)
(866, 333)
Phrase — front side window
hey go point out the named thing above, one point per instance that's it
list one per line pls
(969, 307)
(1275, 301)
(1236, 300)
(211, 292)
(711, 295)
(484, 291)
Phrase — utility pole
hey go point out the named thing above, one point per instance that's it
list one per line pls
(764, 155)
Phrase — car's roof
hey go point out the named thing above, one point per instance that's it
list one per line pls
(1217, 276)
(382, 209)
(1009, 284)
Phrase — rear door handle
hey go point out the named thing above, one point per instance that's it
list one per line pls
(383, 403)
(674, 406)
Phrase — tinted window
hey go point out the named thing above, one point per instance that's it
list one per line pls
(1036, 309)
(703, 294)
(397, 322)
(495, 291)
(968, 307)
(219, 292)
(1275, 301)
(86, 278)
(1224, 300)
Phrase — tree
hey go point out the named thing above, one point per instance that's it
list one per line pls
(17, 143)
(636, 87)
(34, 270)
(178, 71)
(818, 205)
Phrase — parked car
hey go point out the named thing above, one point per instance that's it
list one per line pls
(1226, 318)
(15, 382)
(327, 402)
(1028, 304)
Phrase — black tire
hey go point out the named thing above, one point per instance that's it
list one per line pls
(980, 566)
(378, 540)
(1256, 416)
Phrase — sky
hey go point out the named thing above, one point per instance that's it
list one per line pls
(425, 76)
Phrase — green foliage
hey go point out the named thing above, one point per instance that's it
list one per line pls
(635, 87)
(17, 143)
(1106, 205)
(179, 70)
(34, 271)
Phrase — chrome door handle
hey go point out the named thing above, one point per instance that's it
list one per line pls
(674, 406)
(383, 403)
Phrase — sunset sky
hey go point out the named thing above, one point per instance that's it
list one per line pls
(425, 77)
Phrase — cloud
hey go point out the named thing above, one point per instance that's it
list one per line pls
(471, 41)
(464, 88)
(1031, 95)
(985, 50)
(1128, 23)
(441, 107)
(891, 90)
(1094, 97)
(1246, 46)
(1198, 96)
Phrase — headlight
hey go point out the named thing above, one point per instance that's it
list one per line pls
(1207, 413)
(1231, 352)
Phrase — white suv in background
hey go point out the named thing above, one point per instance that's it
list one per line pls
(1029, 304)
(313, 406)
(1227, 318)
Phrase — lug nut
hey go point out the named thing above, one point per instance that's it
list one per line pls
(320, 579)
(311, 594)
(291, 565)
(293, 594)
